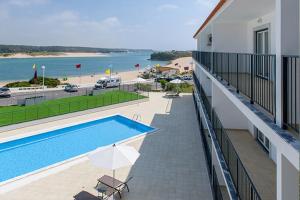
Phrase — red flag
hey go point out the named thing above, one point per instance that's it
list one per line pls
(137, 65)
(78, 66)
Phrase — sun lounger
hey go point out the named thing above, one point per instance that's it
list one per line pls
(113, 185)
(83, 195)
(104, 191)
(172, 94)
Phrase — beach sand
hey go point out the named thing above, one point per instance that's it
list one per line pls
(59, 55)
(125, 76)
(182, 62)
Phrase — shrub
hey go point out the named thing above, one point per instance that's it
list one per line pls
(143, 87)
(18, 84)
(163, 83)
(172, 87)
(49, 82)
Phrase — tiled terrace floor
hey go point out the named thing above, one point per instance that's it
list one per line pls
(171, 166)
(261, 169)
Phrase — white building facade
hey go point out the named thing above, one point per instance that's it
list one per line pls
(247, 97)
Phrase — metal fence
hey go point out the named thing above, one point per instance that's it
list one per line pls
(242, 181)
(55, 108)
(291, 92)
(251, 74)
(216, 186)
(204, 98)
(58, 94)
(205, 58)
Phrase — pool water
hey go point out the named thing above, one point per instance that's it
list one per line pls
(25, 155)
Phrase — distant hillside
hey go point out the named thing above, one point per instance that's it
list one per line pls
(11, 49)
(170, 55)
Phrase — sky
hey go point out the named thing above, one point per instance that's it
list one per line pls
(135, 24)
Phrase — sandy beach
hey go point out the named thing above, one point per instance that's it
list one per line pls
(182, 62)
(125, 76)
(58, 55)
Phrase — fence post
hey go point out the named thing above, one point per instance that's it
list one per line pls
(285, 91)
(237, 73)
(251, 79)
(228, 81)
(12, 117)
(237, 176)
(221, 66)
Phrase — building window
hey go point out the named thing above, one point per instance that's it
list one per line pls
(263, 140)
(209, 40)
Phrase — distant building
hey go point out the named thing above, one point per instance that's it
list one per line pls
(167, 71)
(247, 77)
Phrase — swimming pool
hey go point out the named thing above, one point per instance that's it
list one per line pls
(26, 155)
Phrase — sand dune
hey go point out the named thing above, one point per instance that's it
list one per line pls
(58, 55)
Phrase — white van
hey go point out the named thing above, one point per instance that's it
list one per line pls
(107, 82)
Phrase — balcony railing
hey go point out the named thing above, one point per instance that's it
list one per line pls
(251, 74)
(291, 92)
(216, 187)
(204, 98)
(242, 181)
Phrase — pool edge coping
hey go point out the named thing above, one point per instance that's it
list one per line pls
(30, 177)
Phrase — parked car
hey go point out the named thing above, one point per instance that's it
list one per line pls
(187, 77)
(5, 92)
(107, 82)
(71, 88)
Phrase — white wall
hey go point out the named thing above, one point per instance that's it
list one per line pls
(203, 39)
(230, 37)
(229, 115)
(290, 27)
(206, 84)
(287, 179)
(268, 19)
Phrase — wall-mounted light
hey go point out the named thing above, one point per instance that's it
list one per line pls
(259, 20)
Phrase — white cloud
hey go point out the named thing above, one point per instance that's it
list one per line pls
(192, 22)
(205, 3)
(111, 22)
(166, 7)
(64, 16)
(26, 2)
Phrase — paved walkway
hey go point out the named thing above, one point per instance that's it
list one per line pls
(171, 166)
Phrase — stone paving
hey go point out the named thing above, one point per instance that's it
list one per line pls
(171, 166)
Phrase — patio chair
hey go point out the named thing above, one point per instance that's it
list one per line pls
(115, 184)
(172, 94)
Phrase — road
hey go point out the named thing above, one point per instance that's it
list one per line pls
(56, 94)
(53, 94)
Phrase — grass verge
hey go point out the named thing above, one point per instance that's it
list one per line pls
(17, 114)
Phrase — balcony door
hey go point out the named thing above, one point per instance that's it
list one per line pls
(262, 41)
(262, 48)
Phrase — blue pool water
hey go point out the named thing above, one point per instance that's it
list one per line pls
(28, 154)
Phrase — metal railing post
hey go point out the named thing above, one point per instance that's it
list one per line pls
(285, 91)
(228, 81)
(251, 80)
(237, 73)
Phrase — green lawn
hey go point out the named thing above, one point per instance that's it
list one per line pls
(17, 114)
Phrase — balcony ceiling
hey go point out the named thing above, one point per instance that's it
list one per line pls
(245, 10)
